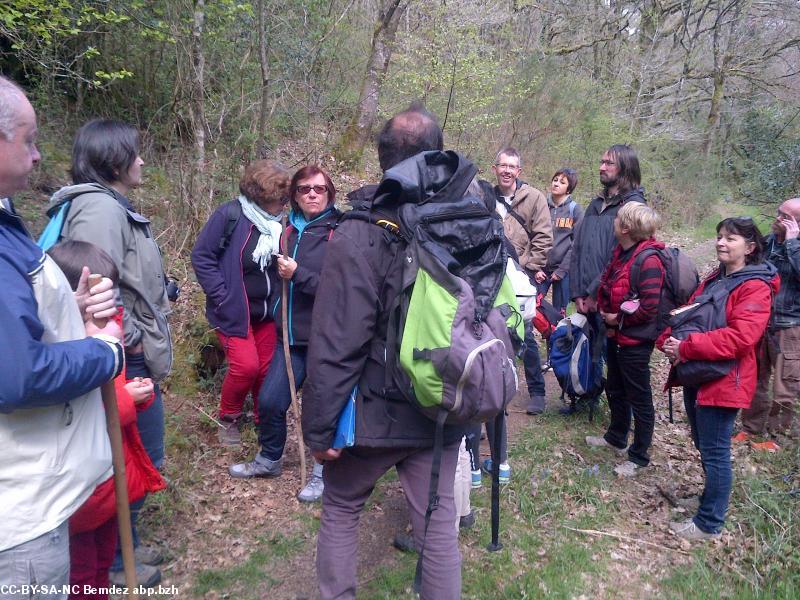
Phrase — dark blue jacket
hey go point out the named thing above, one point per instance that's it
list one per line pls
(34, 373)
(786, 258)
(308, 249)
(219, 271)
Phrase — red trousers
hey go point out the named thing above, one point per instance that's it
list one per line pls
(248, 361)
(90, 555)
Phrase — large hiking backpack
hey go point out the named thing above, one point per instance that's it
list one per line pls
(454, 328)
(706, 313)
(680, 281)
(574, 358)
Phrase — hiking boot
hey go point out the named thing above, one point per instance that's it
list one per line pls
(313, 490)
(689, 531)
(505, 471)
(229, 432)
(741, 438)
(768, 446)
(146, 576)
(405, 542)
(535, 405)
(148, 555)
(476, 479)
(467, 521)
(258, 467)
(600, 442)
(628, 469)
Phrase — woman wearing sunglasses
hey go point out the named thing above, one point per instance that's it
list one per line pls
(311, 221)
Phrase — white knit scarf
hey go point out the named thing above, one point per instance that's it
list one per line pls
(270, 228)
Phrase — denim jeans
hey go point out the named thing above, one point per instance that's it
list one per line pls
(533, 366)
(628, 391)
(560, 291)
(275, 398)
(43, 561)
(150, 423)
(712, 427)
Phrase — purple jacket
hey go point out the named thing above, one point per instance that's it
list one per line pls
(219, 272)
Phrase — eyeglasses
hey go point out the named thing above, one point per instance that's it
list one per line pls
(318, 189)
(504, 166)
(608, 163)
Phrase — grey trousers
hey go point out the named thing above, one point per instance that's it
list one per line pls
(42, 561)
(349, 481)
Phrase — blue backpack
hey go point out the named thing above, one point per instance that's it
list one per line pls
(52, 231)
(575, 359)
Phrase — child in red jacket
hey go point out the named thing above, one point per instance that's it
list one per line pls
(631, 334)
(93, 528)
(711, 408)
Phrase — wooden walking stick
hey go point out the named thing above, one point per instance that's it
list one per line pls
(120, 481)
(301, 447)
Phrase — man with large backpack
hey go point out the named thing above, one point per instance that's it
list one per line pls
(360, 283)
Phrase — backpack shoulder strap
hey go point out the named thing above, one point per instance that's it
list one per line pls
(572, 206)
(373, 217)
(516, 216)
(234, 212)
(636, 266)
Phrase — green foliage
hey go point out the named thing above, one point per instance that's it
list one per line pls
(767, 155)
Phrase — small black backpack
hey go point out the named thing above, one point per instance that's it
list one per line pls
(707, 313)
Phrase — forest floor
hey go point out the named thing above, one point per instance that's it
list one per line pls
(569, 527)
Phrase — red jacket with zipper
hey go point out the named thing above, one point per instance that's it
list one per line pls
(747, 312)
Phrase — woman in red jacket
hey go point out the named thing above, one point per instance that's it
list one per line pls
(712, 407)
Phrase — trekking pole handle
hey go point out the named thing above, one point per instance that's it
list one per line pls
(95, 279)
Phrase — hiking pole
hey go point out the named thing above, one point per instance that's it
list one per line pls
(118, 461)
(499, 432)
(301, 447)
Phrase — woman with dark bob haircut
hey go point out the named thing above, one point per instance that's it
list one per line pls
(106, 166)
(311, 222)
(711, 407)
(233, 259)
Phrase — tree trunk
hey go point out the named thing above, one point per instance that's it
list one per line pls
(263, 48)
(357, 133)
(197, 87)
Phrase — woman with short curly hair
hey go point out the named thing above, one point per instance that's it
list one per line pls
(233, 259)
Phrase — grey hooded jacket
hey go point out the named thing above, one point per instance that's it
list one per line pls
(104, 217)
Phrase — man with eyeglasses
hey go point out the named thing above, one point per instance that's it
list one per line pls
(594, 243)
(527, 225)
(781, 359)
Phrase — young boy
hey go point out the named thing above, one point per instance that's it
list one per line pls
(630, 310)
(93, 528)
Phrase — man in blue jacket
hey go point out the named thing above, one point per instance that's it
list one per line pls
(52, 423)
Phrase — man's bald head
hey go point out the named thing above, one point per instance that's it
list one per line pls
(791, 207)
(408, 133)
